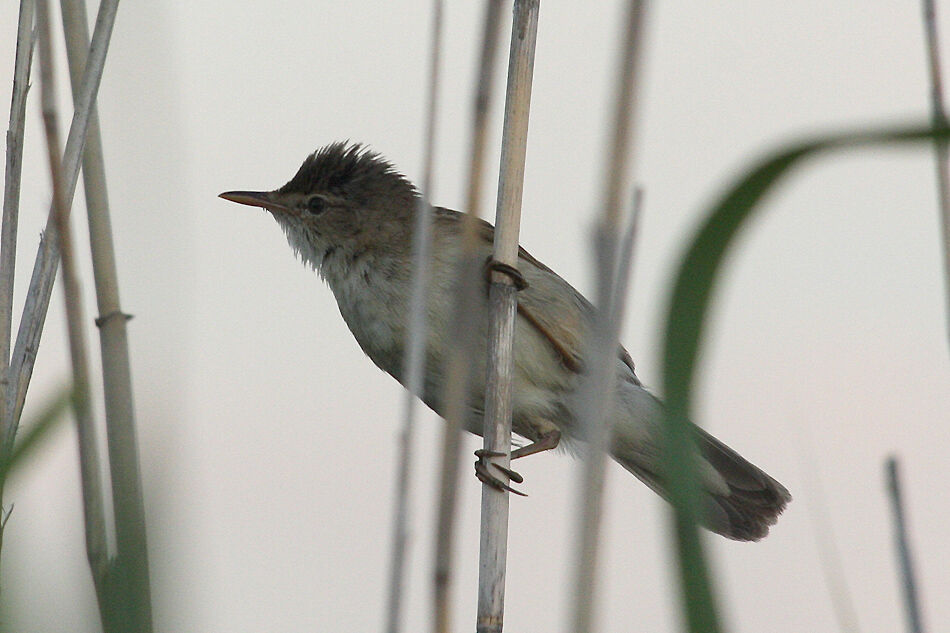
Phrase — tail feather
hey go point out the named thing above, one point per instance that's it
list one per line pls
(740, 501)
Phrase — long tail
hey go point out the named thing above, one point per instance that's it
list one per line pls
(740, 501)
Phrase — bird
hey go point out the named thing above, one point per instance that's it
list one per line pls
(349, 214)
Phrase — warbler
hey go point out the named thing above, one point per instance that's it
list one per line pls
(349, 214)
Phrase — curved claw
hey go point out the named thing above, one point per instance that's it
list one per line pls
(487, 477)
(510, 474)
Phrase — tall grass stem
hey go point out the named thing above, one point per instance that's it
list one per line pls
(11, 206)
(88, 448)
(35, 307)
(8, 229)
(597, 387)
(414, 369)
(458, 366)
(502, 307)
(939, 118)
(128, 500)
(908, 579)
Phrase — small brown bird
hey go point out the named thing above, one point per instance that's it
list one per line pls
(348, 213)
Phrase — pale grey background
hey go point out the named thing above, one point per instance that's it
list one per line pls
(268, 440)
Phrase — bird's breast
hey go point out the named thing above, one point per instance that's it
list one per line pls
(374, 309)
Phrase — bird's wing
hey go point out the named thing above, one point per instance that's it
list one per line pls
(552, 306)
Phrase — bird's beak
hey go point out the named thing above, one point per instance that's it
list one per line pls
(264, 199)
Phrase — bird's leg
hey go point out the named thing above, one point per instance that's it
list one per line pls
(545, 442)
(484, 456)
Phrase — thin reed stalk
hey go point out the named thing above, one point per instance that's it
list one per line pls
(596, 397)
(8, 229)
(915, 623)
(939, 118)
(458, 366)
(826, 541)
(11, 190)
(88, 450)
(597, 389)
(128, 502)
(47, 257)
(414, 369)
(502, 308)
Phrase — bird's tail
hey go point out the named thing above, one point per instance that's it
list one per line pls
(739, 500)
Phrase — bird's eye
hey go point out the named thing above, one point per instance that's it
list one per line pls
(316, 205)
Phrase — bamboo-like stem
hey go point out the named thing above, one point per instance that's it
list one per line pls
(908, 579)
(8, 230)
(47, 257)
(414, 368)
(11, 192)
(88, 448)
(596, 397)
(129, 507)
(458, 366)
(939, 118)
(616, 172)
(503, 304)
(612, 267)
(829, 555)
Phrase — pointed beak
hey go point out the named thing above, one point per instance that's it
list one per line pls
(264, 199)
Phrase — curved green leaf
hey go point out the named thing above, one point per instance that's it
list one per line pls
(689, 303)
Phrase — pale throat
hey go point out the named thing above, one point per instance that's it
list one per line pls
(348, 271)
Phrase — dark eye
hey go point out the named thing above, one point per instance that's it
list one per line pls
(316, 205)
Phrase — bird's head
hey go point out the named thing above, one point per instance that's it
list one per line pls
(343, 200)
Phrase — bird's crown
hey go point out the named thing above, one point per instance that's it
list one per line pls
(350, 170)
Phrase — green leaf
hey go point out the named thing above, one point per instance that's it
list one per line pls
(689, 302)
(36, 431)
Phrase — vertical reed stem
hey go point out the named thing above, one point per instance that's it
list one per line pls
(596, 394)
(939, 118)
(131, 562)
(88, 449)
(11, 192)
(414, 369)
(502, 307)
(458, 366)
(47, 256)
(908, 578)
(8, 230)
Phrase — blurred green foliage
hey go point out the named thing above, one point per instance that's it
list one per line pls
(690, 297)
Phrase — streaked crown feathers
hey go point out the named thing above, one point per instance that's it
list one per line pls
(351, 171)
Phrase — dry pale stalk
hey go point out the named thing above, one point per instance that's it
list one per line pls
(8, 230)
(503, 305)
(88, 451)
(458, 365)
(915, 623)
(47, 256)
(939, 118)
(128, 502)
(11, 199)
(597, 390)
(415, 358)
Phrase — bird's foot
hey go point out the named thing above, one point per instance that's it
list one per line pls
(517, 279)
(486, 476)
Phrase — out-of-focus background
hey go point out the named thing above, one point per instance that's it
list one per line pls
(268, 441)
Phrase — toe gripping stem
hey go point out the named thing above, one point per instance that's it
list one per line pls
(484, 463)
(517, 279)
(486, 476)
(545, 442)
